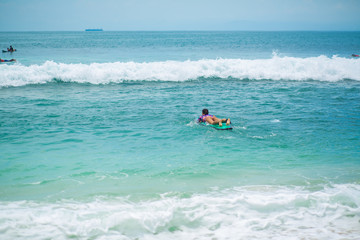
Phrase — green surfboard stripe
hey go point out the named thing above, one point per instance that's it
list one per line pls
(224, 126)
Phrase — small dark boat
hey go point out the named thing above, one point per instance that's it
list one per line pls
(94, 30)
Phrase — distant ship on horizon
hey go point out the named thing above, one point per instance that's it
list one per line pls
(94, 30)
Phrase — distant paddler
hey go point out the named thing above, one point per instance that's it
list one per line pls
(355, 55)
(4, 60)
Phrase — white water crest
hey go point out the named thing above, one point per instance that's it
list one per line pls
(320, 68)
(249, 212)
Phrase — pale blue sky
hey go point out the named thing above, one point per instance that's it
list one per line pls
(268, 15)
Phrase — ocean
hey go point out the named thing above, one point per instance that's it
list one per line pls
(99, 139)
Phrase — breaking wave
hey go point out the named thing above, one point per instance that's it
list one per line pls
(320, 68)
(252, 212)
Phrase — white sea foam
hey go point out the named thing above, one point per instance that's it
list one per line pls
(252, 212)
(275, 121)
(277, 68)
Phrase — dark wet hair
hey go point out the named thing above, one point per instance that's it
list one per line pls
(205, 111)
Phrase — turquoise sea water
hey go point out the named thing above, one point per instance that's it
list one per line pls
(98, 138)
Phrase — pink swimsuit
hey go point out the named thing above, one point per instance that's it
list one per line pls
(202, 117)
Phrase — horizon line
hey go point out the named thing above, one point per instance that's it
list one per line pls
(181, 30)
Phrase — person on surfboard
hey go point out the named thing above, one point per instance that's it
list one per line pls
(4, 60)
(211, 119)
(10, 49)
